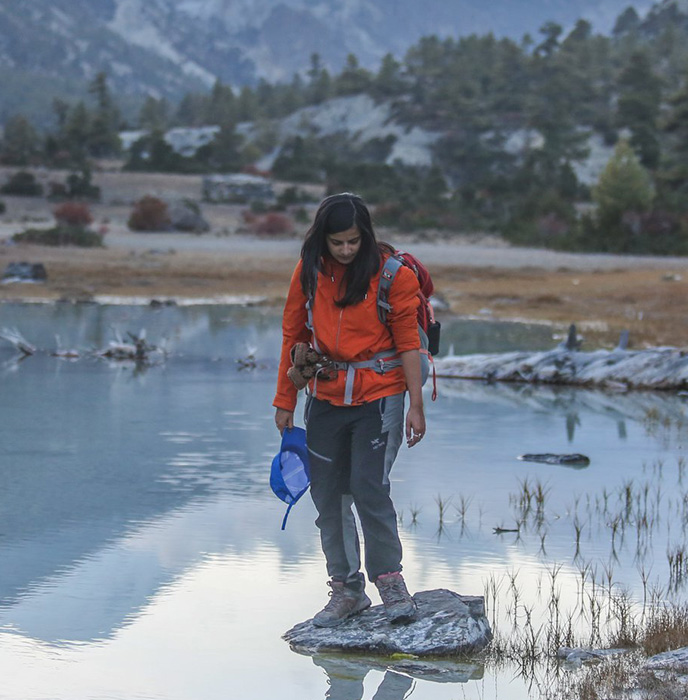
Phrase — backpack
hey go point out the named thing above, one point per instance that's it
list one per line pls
(428, 326)
(290, 470)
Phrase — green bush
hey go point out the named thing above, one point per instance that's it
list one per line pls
(79, 186)
(654, 233)
(3, 207)
(24, 184)
(61, 236)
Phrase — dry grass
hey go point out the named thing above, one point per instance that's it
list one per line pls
(602, 304)
(666, 629)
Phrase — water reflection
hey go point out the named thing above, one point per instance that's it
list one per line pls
(346, 675)
(122, 492)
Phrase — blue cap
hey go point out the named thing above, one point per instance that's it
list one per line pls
(290, 471)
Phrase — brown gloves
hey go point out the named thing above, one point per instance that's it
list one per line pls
(306, 363)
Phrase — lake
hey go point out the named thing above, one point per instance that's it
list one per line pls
(140, 546)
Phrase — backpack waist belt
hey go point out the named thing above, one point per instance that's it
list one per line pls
(381, 362)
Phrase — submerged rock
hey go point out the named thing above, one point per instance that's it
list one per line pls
(578, 656)
(573, 460)
(448, 624)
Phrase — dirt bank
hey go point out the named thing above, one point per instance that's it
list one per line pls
(650, 302)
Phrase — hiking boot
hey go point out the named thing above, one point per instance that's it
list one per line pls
(399, 605)
(344, 603)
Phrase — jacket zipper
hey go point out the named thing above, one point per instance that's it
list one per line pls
(339, 328)
(341, 311)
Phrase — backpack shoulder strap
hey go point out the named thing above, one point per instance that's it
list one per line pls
(389, 272)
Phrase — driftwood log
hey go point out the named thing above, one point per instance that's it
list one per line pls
(620, 368)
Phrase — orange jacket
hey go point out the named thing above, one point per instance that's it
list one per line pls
(349, 334)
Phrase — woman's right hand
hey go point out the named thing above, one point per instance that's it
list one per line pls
(284, 419)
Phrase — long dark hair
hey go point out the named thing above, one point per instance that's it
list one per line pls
(337, 213)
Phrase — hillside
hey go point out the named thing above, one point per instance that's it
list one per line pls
(170, 47)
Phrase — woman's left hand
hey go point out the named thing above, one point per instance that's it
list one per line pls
(415, 425)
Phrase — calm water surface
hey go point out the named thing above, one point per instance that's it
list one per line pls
(140, 549)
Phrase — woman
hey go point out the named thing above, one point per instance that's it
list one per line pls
(355, 407)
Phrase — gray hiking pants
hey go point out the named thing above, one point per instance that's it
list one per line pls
(352, 449)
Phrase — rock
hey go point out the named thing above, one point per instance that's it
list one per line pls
(447, 625)
(25, 272)
(573, 460)
(186, 216)
(653, 368)
(675, 661)
(577, 656)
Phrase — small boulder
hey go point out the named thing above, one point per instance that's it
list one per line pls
(25, 272)
(447, 625)
(186, 216)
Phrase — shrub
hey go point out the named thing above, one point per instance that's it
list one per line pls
(24, 184)
(57, 190)
(59, 236)
(273, 224)
(72, 214)
(149, 214)
(293, 195)
(3, 208)
(79, 186)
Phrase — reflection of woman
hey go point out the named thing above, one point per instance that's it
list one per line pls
(354, 414)
(345, 680)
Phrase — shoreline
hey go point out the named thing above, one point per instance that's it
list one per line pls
(649, 298)
(478, 275)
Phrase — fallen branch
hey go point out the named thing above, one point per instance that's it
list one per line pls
(620, 369)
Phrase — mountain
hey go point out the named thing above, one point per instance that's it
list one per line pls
(169, 47)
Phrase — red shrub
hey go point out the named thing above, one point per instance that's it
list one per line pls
(249, 217)
(72, 214)
(273, 223)
(149, 214)
(253, 170)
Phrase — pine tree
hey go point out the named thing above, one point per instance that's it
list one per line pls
(640, 94)
(353, 79)
(20, 143)
(627, 22)
(673, 177)
(154, 114)
(76, 133)
(222, 106)
(389, 81)
(319, 81)
(103, 137)
(624, 188)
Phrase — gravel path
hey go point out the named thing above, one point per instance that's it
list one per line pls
(464, 254)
